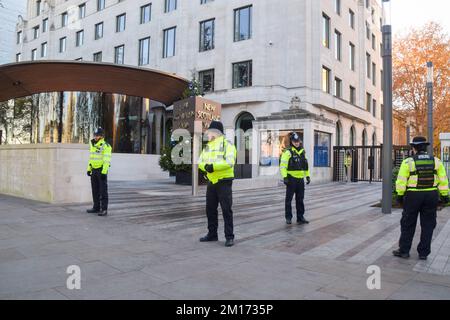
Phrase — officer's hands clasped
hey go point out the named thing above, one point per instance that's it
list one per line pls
(89, 173)
(209, 168)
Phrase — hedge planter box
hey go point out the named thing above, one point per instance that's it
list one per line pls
(185, 178)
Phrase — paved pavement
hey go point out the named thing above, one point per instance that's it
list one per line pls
(147, 248)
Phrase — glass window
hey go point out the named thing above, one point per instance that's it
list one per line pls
(367, 31)
(206, 79)
(382, 80)
(33, 54)
(170, 5)
(326, 31)
(322, 147)
(368, 101)
(368, 65)
(44, 25)
(80, 38)
(338, 45)
(97, 57)
(120, 22)
(352, 95)
(119, 54)
(82, 11)
(169, 42)
(374, 108)
(44, 50)
(36, 32)
(146, 13)
(338, 87)
(100, 5)
(144, 51)
(243, 23)
(374, 46)
(326, 80)
(207, 35)
(38, 7)
(99, 31)
(62, 44)
(337, 6)
(242, 74)
(352, 56)
(273, 142)
(374, 74)
(351, 19)
(64, 19)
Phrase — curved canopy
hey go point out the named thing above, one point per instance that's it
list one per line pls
(27, 78)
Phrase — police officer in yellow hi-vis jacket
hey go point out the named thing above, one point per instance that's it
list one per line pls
(294, 169)
(217, 160)
(421, 179)
(99, 162)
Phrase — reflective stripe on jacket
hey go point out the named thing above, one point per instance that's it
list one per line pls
(222, 155)
(100, 156)
(407, 182)
(284, 163)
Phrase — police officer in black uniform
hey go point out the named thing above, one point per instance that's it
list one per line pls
(294, 169)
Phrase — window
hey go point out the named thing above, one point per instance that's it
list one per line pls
(44, 50)
(242, 74)
(36, 32)
(352, 136)
(170, 5)
(368, 65)
(206, 79)
(120, 22)
(382, 80)
(372, 12)
(169, 42)
(351, 49)
(119, 54)
(38, 7)
(352, 95)
(19, 37)
(351, 19)
(326, 80)
(374, 108)
(144, 51)
(322, 147)
(64, 19)
(33, 54)
(98, 57)
(367, 31)
(80, 38)
(146, 13)
(62, 44)
(326, 31)
(44, 25)
(18, 57)
(205, 1)
(99, 31)
(100, 5)
(338, 46)
(337, 6)
(82, 11)
(367, 4)
(368, 101)
(242, 23)
(374, 46)
(382, 111)
(374, 74)
(207, 35)
(337, 87)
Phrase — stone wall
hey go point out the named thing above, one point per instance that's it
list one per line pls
(56, 173)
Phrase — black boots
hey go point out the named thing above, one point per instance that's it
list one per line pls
(103, 213)
(288, 221)
(92, 211)
(302, 221)
(229, 243)
(209, 238)
(400, 254)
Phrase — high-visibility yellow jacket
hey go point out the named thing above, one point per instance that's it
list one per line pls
(348, 161)
(408, 178)
(222, 155)
(289, 167)
(100, 156)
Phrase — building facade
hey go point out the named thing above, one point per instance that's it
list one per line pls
(313, 66)
(10, 11)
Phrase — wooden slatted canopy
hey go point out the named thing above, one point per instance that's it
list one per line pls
(27, 78)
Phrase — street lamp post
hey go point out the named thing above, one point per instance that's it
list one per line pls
(408, 130)
(386, 203)
(430, 105)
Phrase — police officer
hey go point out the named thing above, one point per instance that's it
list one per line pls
(217, 161)
(294, 169)
(421, 179)
(348, 165)
(99, 162)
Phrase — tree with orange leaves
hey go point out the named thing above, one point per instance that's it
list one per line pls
(410, 55)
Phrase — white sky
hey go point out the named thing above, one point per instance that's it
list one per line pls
(415, 13)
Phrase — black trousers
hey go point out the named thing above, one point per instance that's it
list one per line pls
(415, 203)
(220, 193)
(297, 187)
(99, 190)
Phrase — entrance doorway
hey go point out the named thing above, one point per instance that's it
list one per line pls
(243, 139)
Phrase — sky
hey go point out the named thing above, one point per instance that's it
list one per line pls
(415, 13)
